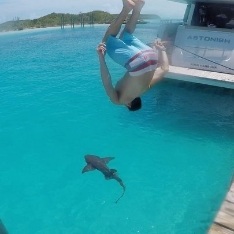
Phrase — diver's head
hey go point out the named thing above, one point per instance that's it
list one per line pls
(135, 104)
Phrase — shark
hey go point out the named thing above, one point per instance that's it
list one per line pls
(97, 163)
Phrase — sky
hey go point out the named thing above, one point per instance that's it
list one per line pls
(32, 9)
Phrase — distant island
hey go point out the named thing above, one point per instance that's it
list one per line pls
(58, 19)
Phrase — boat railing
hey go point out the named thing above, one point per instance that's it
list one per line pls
(171, 21)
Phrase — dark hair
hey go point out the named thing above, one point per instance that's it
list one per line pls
(135, 104)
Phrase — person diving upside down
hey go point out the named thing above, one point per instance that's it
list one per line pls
(145, 66)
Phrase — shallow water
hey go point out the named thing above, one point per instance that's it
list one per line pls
(175, 156)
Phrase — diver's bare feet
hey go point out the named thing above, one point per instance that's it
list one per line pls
(129, 4)
(139, 5)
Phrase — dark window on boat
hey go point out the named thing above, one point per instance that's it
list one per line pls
(213, 15)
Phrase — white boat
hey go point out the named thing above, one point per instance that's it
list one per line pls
(201, 47)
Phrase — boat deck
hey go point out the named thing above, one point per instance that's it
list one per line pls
(224, 221)
(201, 77)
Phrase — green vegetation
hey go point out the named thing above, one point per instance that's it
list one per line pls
(55, 19)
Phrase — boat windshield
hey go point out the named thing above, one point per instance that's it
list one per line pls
(218, 15)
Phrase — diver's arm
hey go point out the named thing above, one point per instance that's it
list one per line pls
(163, 59)
(164, 64)
(107, 83)
(105, 75)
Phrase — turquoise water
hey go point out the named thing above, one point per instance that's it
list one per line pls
(175, 156)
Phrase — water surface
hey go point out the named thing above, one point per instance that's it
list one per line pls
(175, 156)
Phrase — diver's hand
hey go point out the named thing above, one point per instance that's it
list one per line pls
(101, 49)
(159, 45)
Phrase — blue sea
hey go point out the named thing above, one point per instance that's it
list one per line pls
(175, 156)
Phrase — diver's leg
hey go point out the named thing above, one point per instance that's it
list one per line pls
(131, 24)
(115, 26)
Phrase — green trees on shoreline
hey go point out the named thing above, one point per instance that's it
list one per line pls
(54, 20)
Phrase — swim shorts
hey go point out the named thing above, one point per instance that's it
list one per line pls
(132, 54)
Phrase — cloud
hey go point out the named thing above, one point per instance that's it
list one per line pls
(30, 9)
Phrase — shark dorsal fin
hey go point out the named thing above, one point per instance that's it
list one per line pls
(113, 171)
(111, 175)
(107, 159)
